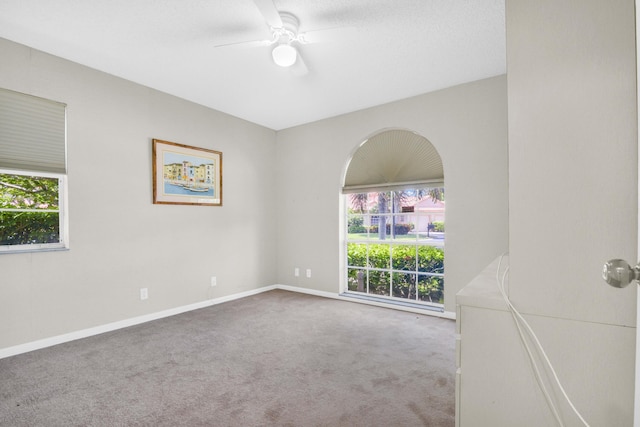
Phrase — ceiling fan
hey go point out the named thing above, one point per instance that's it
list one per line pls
(285, 37)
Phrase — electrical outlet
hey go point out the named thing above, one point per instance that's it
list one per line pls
(144, 293)
(308, 273)
(214, 281)
(296, 272)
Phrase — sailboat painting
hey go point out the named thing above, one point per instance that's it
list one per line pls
(186, 175)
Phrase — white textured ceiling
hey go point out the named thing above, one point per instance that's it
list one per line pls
(395, 49)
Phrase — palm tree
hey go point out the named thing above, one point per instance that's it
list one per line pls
(359, 201)
(436, 194)
(382, 219)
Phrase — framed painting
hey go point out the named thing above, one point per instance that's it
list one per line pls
(185, 175)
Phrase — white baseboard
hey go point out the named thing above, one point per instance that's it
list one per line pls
(445, 314)
(308, 291)
(84, 333)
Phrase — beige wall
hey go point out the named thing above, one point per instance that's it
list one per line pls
(466, 124)
(120, 241)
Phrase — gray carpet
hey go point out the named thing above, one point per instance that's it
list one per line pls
(274, 359)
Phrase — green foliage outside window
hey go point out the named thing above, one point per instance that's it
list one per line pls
(438, 226)
(413, 268)
(356, 225)
(29, 210)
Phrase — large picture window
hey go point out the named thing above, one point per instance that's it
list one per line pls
(394, 235)
(395, 244)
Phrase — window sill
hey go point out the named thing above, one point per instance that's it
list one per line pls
(31, 250)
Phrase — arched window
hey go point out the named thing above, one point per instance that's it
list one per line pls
(395, 211)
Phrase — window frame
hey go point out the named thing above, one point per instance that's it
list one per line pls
(63, 217)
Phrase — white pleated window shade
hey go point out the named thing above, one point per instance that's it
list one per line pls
(32, 133)
(394, 160)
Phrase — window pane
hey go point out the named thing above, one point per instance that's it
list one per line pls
(357, 280)
(379, 202)
(379, 282)
(355, 226)
(404, 257)
(379, 208)
(404, 285)
(29, 210)
(358, 202)
(379, 256)
(430, 288)
(430, 259)
(28, 192)
(401, 227)
(28, 228)
(357, 255)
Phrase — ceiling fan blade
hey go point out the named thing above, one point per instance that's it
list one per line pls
(299, 68)
(327, 35)
(270, 13)
(253, 43)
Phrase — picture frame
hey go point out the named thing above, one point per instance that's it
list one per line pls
(186, 175)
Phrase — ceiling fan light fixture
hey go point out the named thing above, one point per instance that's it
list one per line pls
(284, 55)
